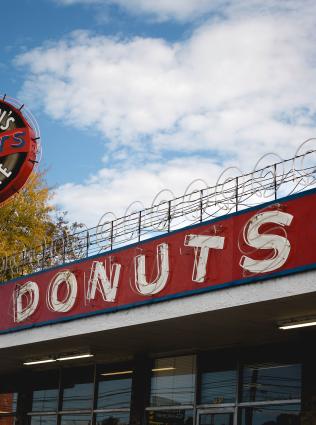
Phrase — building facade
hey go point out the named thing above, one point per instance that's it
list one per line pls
(202, 326)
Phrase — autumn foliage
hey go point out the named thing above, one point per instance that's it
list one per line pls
(29, 220)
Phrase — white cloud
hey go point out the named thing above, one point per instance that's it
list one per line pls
(238, 87)
(162, 10)
(250, 81)
(189, 10)
(113, 190)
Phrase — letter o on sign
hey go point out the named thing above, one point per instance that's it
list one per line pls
(62, 278)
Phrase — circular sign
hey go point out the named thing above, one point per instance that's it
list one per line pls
(18, 149)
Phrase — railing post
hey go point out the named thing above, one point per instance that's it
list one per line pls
(139, 225)
(169, 215)
(64, 248)
(52, 252)
(275, 181)
(43, 256)
(236, 194)
(201, 205)
(87, 243)
(23, 261)
(111, 235)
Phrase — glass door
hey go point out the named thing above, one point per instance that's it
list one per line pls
(215, 417)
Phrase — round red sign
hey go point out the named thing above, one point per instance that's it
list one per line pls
(18, 149)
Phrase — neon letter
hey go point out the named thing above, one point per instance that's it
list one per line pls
(66, 304)
(149, 288)
(99, 280)
(202, 244)
(4, 171)
(18, 139)
(30, 293)
(280, 244)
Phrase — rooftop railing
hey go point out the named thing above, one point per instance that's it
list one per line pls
(233, 191)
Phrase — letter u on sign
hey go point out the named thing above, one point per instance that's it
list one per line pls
(149, 288)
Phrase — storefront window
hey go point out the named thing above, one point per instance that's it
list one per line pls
(173, 381)
(218, 387)
(216, 419)
(76, 420)
(114, 389)
(117, 418)
(271, 415)
(77, 389)
(7, 420)
(45, 392)
(8, 402)
(45, 400)
(101, 395)
(170, 417)
(43, 420)
(264, 382)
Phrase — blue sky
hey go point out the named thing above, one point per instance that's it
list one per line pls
(136, 96)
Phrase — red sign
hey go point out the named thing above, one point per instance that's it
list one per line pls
(274, 239)
(18, 149)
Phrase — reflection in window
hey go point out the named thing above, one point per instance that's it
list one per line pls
(120, 418)
(76, 420)
(170, 417)
(172, 381)
(45, 400)
(8, 402)
(114, 390)
(7, 420)
(216, 419)
(43, 420)
(77, 389)
(218, 387)
(271, 415)
(271, 382)
(45, 391)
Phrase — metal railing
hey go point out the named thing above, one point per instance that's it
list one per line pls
(230, 194)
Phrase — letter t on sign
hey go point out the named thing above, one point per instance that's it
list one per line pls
(202, 244)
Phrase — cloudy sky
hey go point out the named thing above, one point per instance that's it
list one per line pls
(133, 96)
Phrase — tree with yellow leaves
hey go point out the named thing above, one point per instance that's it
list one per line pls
(25, 220)
(28, 222)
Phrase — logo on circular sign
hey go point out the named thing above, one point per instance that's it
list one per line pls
(18, 149)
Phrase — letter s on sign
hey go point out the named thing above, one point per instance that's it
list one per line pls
(280, 244)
